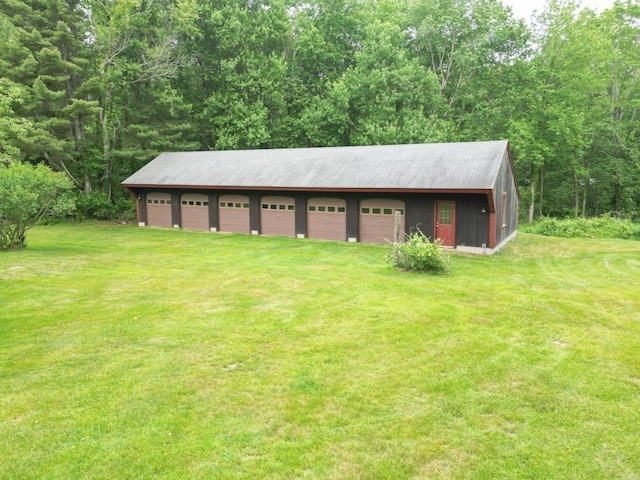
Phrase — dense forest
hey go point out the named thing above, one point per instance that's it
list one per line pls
(96, 88)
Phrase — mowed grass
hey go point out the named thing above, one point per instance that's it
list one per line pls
(131, 353)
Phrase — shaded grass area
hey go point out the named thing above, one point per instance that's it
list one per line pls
(142, 353)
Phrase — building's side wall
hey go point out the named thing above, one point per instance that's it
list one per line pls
(505, 193)
(472, 223)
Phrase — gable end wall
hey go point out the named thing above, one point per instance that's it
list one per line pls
(505, 183)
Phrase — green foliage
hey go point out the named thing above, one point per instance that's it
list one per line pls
(419, 254)
(97, 88)
(11, 128)
(28, 194)
(95, 205)
(601, 227)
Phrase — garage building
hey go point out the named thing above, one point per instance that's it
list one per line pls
(464, 194)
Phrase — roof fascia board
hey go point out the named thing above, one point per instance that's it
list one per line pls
(481, 191)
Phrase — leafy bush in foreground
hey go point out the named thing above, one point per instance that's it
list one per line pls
(27, 195)
(601, 227)
(419, 254)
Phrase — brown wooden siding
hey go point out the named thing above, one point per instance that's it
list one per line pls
(353, 216)
(301, 214)
(213, 210)
(473, 225)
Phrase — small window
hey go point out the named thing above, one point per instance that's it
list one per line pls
(222, 204)
(342, 209)
(206, 204)
(245, 205)
(149, 200)
(400, 210)
(198, 204)
(161, 202)
(156, 201)
(239, 205)
(291, 207)
(312, 208)
(375, 211)
(230, 204)
(191, 202)
(387, 211)
(265, 206)
(365, 211)
(168, 202)
(273, 206)
(322, 208)
(184, 202)
(282, 207)
(331, 209)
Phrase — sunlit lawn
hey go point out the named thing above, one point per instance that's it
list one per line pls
(131, 352)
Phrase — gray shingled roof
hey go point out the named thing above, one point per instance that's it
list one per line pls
(440, 166)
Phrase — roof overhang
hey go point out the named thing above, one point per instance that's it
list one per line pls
(457, 191)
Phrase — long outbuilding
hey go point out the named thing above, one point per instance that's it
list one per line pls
(464, 194)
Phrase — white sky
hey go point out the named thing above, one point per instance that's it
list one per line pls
(524, 8)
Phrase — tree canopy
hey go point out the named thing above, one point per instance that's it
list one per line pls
(96, 88)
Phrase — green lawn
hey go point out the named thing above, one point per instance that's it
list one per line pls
(131, 352)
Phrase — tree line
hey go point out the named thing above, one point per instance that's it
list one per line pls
(96, 88)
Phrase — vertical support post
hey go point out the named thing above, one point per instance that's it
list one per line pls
(396, 227)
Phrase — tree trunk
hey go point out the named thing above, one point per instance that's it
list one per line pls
(576, 195)
(532, 201)
(541, 189)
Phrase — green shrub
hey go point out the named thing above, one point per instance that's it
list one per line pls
(28, 194)
(419, 254)
(600, 227)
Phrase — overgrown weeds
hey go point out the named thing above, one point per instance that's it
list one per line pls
(419, 254)
(600, 227)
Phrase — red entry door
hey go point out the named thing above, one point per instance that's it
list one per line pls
(446, 223)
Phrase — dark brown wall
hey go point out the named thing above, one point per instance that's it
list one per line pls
(254, 211)
(472, 225)
(353, 215)
(142, 206)
(301, 214)
(213, 210)
(175, 208)
(419, 214)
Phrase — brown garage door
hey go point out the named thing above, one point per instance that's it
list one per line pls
(277, 216)
(233, 213)
(159, 209)
(327, 218)
(377, 218)
(194, 211)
